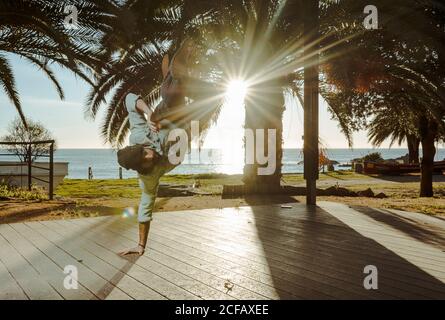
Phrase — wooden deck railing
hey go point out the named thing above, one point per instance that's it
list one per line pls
(30, 165)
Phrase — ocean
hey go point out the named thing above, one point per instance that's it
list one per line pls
(105, 166)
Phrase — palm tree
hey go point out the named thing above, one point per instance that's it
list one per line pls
(35, 31)
(268, 36)
(265, 40)
(133, 50)
(397, 67)
(398, 128)
(257, 41)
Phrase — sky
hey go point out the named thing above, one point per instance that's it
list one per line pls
(66, 120)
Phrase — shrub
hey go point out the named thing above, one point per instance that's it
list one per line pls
(10, 192)
(373, 157)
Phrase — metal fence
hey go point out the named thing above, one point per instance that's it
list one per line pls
(29, 163)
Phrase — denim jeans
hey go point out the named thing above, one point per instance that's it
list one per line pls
(149, 183)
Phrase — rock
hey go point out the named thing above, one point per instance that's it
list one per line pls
(381, 195)
(295, 191)
(338, 191)
(233, 191)
(229, 285)
(366, 193)
(328, 191)
(166, 190)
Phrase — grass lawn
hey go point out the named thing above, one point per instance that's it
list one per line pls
(209, 183)
(80, 198)
(119, 193)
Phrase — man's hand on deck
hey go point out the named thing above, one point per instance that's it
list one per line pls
(136, 250)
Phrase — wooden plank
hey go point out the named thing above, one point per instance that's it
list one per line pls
(238, 292)
(277, 217)
(422, 264)
(426, 220)
(48, 270)
(293, 284)
(287, 227)
(115, 276)
(158, 284)
(87, 278)
(439, 264)
(135, 272)
(10, 289)
(294, 217)
(195, 287)
(247, 253)
(22, 272)
(284, 245)
(284, 279)
(348, 278)
(229, 244)
(361, 222)
(213, 276)
(153, 264)
(249, 266)
(238, 237)
(325, 241)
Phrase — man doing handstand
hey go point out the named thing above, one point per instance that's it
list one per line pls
(152, 132)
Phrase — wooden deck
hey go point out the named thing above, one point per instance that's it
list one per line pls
(264, 252)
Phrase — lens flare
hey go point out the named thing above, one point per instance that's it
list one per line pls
(128, 213)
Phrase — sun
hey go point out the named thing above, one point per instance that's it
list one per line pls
(236, 90)
(227, 134)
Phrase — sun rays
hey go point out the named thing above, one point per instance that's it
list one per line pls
(236, 91)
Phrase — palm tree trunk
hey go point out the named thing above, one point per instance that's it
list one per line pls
(428, 134)
(413, 149)
(264, 110)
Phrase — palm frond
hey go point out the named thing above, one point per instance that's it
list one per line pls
(7, 81)
(43, 65)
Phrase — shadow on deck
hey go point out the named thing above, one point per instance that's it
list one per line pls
(258, 252)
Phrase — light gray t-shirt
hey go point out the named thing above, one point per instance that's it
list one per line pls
(140, 132)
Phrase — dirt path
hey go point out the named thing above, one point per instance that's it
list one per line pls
(372, 180)
(402, 192)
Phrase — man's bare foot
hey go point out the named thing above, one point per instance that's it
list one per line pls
(136, 250)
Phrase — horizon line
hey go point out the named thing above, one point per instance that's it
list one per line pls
(372, 148)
